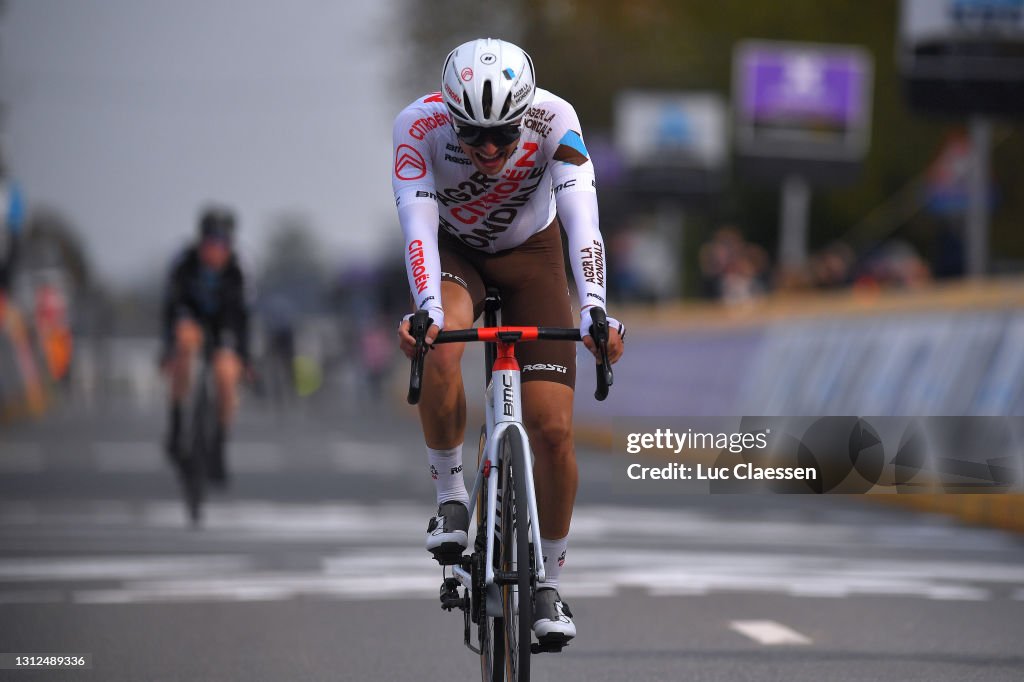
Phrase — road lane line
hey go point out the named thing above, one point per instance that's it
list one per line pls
(768, 632)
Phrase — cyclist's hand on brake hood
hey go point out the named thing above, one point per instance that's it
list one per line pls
(616, 334)
(407, 342)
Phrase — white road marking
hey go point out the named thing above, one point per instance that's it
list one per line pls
(21, 458)
(114, 568)
(768, 632)
(376, 553)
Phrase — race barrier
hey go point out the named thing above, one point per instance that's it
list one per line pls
(954, 350)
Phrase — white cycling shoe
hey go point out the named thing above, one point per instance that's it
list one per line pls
(447, 533)
(552, 618)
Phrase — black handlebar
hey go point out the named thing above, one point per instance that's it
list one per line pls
(599, 333)
(419, 326)
(420, 323)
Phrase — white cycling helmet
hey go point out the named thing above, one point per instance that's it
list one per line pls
(487, 83)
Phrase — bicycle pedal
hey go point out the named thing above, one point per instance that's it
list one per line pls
(552, 644)
(450, 594)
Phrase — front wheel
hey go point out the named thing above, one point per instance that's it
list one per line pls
(490, 631)
(514, 557)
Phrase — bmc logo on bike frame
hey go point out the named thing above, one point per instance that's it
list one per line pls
(506, 395)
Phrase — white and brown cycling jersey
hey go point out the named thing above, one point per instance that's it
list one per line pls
(437, 187)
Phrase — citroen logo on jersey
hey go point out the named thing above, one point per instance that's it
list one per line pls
(409, 163)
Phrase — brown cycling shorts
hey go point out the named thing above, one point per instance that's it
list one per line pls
(534, 293)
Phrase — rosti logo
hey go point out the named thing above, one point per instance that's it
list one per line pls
(467, 74)
(409, 164)
(454, 95)
(435, 97)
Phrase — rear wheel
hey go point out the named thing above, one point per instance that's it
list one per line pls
(517, 597)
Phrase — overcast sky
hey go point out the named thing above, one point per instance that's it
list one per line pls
(128, 114)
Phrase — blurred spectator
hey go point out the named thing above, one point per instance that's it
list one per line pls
(832, 267)
(278, 315)
(893, 264)
(377, 353)
(732, 269)
(53, 329)
(644, 266)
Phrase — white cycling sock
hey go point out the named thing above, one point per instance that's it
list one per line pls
(446, 470)
(553, 552)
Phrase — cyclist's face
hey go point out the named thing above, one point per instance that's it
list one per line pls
(214, 253)
(490, 151)
(489, 158)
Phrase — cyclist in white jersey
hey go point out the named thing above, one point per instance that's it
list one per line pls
(484, 172)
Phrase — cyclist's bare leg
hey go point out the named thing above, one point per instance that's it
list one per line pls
(547, 412)
(443, 403)
(188, 339)
(227, 369)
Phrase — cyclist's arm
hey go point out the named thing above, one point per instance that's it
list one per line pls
(412, 180)
(576, 204)
(173, 294)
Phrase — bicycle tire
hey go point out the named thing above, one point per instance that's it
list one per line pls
(517, 599)
(490, 631)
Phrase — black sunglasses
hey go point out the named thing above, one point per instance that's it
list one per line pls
(476, 136)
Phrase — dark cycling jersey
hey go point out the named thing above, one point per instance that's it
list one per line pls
(217, 300)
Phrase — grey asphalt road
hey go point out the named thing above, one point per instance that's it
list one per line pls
(310, 568)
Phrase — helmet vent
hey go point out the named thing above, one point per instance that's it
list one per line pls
(505, 108)
(469, 104)
(487, 99)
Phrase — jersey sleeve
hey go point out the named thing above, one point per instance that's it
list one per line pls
(412, 180)
(575, 190)
(173, 293)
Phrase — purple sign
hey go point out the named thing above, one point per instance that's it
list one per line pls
(799, 93)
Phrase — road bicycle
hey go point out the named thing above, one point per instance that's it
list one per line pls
(499, 579)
